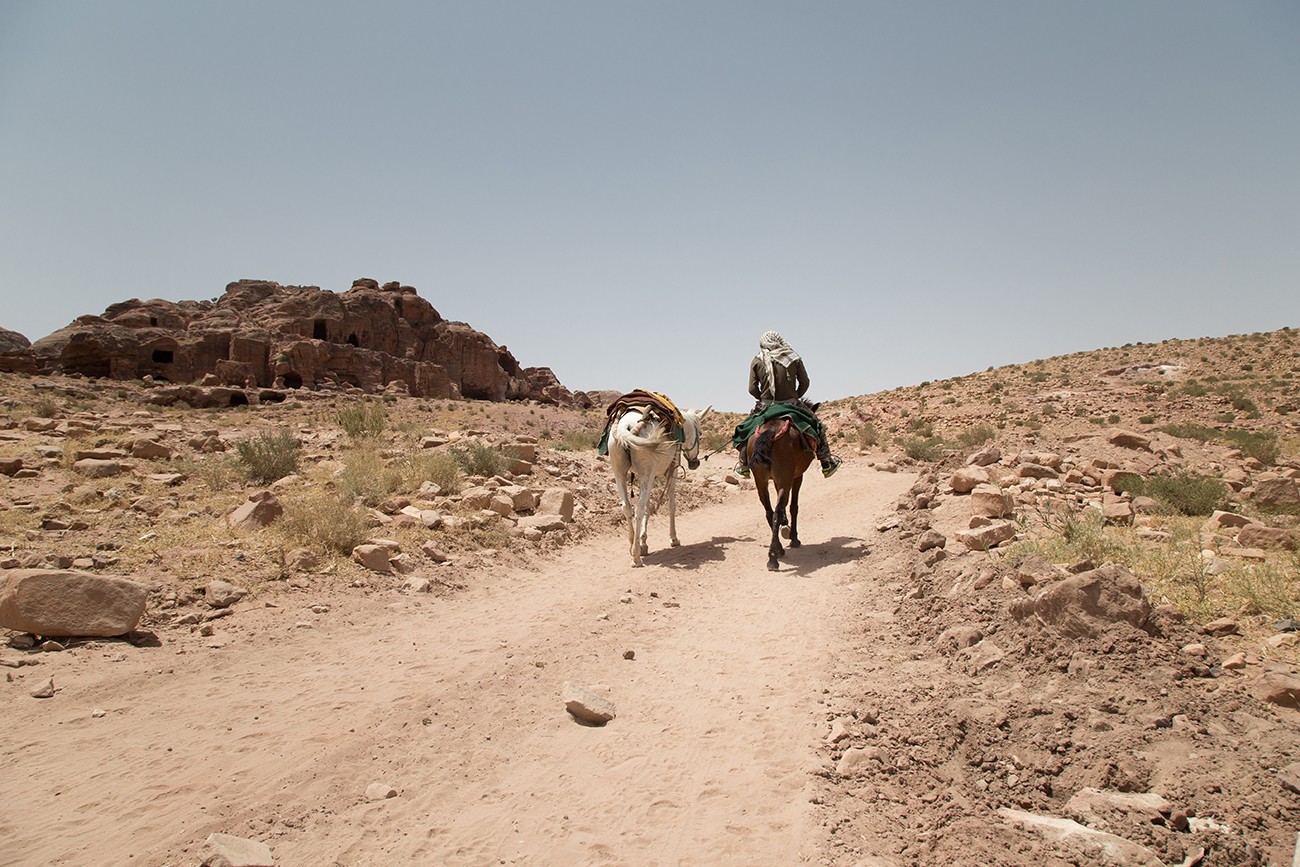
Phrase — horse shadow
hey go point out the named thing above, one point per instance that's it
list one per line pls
(691, 556)
(812, 556)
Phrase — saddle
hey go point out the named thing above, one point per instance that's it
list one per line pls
(651, 403)
(800, 418)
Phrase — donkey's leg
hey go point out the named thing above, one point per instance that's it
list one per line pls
(671, 493)
(643, 517)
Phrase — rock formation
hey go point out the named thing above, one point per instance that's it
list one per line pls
(262, 335)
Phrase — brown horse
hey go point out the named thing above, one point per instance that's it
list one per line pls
(779, 452)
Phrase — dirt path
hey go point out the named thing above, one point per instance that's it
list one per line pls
(274, 727)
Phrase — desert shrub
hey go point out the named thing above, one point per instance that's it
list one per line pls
(919, 449)
(921, 428)
(1244, 404)
(1192, 388)
(1261, 445)
(360, 476)
(1183, 493)
(1147, 419)
(1190, 431)
(1114, 419)
(976, 435)
(868, 436)
(271, 455)
(1049, 409)
(45, 407)
(325, 521)
(1067, 536)
(477, 459)
(218, 472)
(360, 420)
(418, 466)
(584, 440)
(711, 441)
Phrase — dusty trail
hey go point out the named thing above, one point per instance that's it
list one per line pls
(273, 730)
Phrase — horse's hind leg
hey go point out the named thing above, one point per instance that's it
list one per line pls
(794, 512)
(776, 551)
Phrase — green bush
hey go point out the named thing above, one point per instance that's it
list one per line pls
(918, 449)
(1184, 492)
(476, 459)
(977, 435)
(359, 420)
(1192, 388)
(1190, 431)
(585, 440)
(270, 456)
(1261, 445)
(868, 436)
(325, 521)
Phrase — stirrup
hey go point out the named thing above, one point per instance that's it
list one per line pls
(829, 468)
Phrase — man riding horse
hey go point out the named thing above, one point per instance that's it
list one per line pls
(777, 376)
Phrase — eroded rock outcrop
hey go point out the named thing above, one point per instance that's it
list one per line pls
(262, 335)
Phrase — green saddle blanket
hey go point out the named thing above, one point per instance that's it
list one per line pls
(801, 418)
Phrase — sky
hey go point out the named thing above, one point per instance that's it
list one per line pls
(632, 193)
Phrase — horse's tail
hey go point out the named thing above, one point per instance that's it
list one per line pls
(763, 449)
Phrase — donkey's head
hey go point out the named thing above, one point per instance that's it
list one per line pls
(692, 424)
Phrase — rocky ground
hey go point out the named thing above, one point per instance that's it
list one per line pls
(968, 721)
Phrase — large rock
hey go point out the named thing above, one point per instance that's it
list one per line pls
(1277, 492)
(1128, 439)
(262, 335)
(557, 501)
(967, 479)
(1086, 605)
(990, 501)
(59, 603)
(260, 510)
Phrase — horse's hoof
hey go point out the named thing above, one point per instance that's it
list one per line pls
(674, 544)
(785, 532)
(795, 543)
(637, 564)
(773, 565)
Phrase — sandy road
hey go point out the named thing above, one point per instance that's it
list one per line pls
(455, 703)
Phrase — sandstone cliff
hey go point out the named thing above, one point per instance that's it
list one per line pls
(260, 334)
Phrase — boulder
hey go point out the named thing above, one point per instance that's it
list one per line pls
(57, 603)
(1087, 604)
(1271, 493)
(222, 594)
(1281, 688)
(1256, 536)
(967, 479)
(983, 538)
(373, 557)
(556, 501)
(1128, 439)
(990, 501)
(261, 510)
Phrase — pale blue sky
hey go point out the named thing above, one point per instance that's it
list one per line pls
(631, 193)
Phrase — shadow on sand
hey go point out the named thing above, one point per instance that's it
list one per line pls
(691, 556)
(811, 556)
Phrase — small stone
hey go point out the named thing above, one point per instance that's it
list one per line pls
(45, 690)
(629, 654)
(228, 850)
(380, 792)
(586, 705)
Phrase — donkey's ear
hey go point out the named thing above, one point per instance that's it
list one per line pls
(708, 410)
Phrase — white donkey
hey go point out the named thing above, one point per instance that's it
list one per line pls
(641, 449)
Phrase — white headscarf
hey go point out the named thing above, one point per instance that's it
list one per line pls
(774, 349)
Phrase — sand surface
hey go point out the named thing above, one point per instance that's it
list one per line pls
(274, 727)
